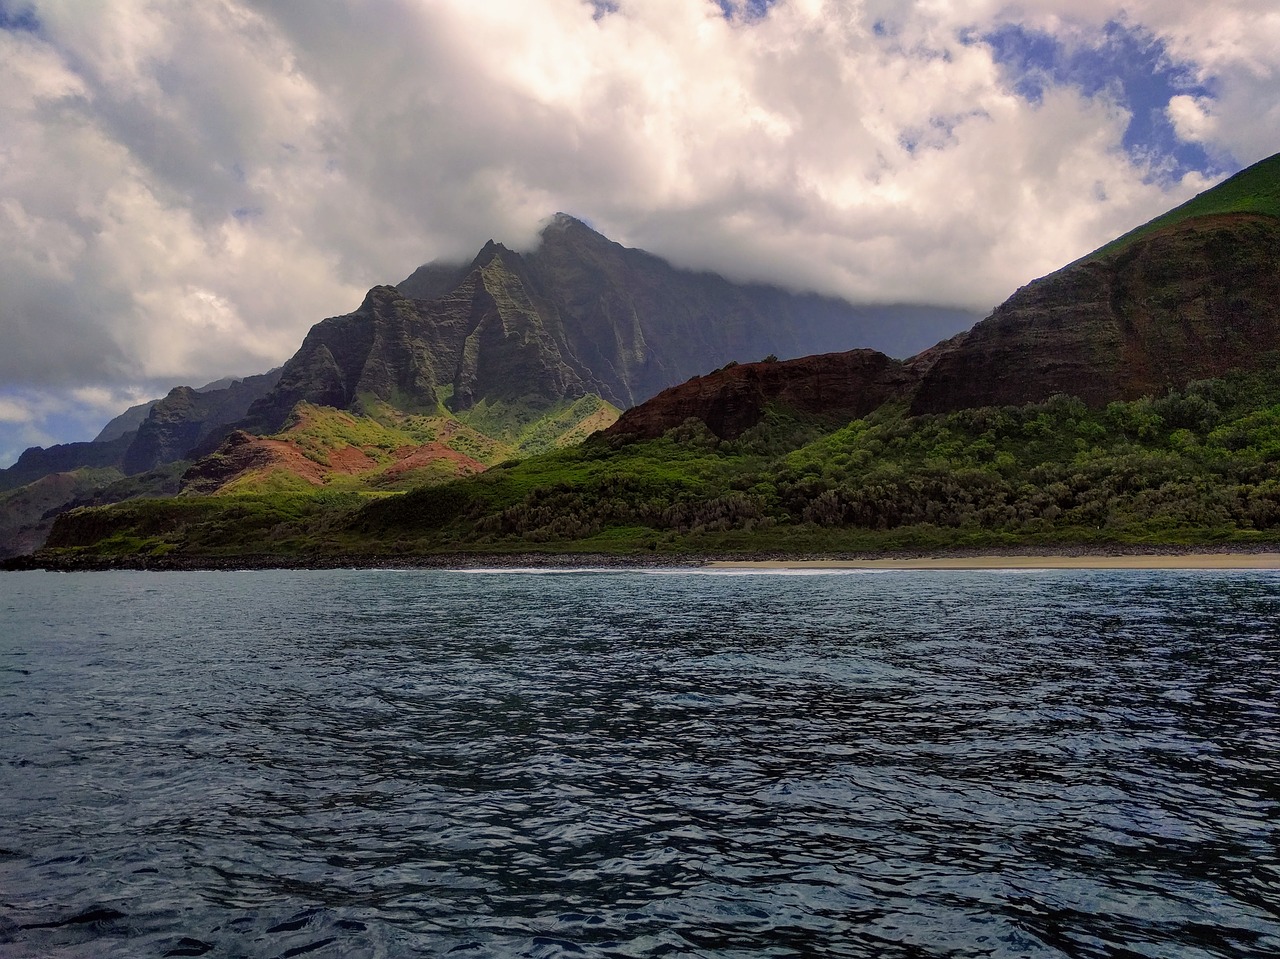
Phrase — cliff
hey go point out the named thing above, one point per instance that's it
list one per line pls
(179, 422)
(835, 386)
(1193, 300)
(579, 315)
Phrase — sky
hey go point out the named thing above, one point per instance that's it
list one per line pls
(185, 188)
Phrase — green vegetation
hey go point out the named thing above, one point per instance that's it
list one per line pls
(530, 428)
(319, 431)
(383, 451)
(223, 525)
(1197, 466)
(1254, 190)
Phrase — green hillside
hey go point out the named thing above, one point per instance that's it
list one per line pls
(322, 448)
(1198, 466)
(1253, 190)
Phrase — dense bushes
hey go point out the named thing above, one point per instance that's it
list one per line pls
(1197, 465)
(1202, 461)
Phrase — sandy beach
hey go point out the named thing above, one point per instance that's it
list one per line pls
(1224, 560)
(1068, 559)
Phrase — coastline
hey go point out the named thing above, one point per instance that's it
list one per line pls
(1261, 557)
(1047, 561)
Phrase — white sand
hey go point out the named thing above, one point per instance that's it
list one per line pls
(1160, 561)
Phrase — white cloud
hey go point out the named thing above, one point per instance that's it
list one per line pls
(186, 188)
(1192, 118)
(12, 411)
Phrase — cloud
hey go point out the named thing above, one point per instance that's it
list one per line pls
(186, 188)
(38, 417)
(12, 411)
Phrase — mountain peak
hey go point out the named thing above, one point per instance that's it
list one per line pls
(491, 251)
(563, 221)
(564, 225)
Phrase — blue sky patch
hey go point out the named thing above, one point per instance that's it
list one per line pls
(18, 17)
(1130, 64)
(751, 9)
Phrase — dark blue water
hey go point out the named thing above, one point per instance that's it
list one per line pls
(640, 764)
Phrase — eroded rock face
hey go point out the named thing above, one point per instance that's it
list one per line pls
(179, 422)
(838, 386)
(1188, 302)
(484, 339)
(578, 315)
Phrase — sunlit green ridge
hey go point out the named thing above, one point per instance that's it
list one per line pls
(1255, 189)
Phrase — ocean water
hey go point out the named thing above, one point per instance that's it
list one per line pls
(629, 763)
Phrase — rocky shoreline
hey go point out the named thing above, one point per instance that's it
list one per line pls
(68, 564)
(1214, 555)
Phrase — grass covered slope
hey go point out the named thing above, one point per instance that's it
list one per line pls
(1197, 466)
(326, 448)
(1255, 189)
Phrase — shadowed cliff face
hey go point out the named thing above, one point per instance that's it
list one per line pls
(640, 325)
(1191, 301)
(579, 315)
(485, 339)
(837, 386)
(183, 419)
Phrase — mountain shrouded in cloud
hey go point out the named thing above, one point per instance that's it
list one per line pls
(186, 188)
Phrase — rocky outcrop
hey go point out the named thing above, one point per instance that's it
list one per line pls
(178, 423)
(835, 386)
(1190, 301)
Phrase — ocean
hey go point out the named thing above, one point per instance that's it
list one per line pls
(616, 763)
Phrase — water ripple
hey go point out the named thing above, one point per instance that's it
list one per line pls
(638, 764)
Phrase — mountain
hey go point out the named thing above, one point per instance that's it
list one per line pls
(162, 431)
(37, 462)
(835, 387)
(524, 349)
(579, 315)
(82, 473)
(1191, 295)
(184, 418)
(1129, 397)
(126, 423)
(135, 416)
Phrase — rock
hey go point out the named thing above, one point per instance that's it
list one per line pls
(834, 386)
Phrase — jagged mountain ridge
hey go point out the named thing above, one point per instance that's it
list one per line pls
(166, 429)
(579, 315)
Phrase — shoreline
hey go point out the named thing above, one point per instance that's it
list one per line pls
(1169, 561)
(1260, 557)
